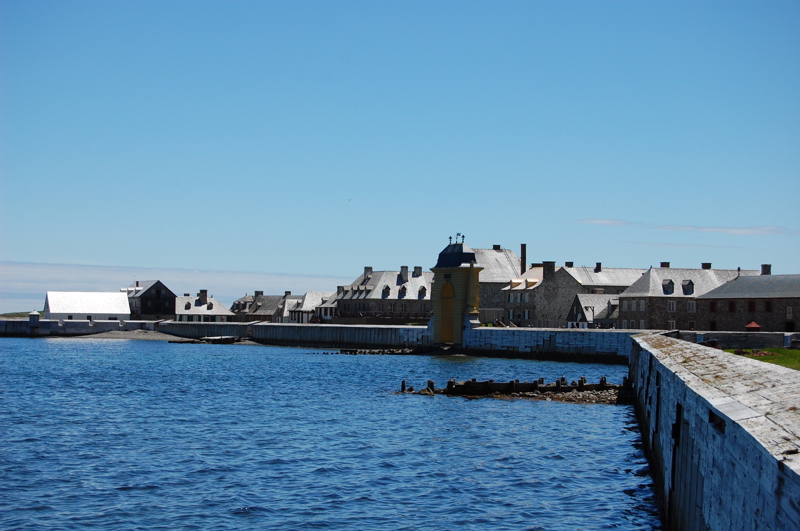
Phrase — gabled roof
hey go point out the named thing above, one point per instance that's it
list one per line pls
(88, 302)
(610, 276)
(604, 305)
(195, 308)
(135, 291)
(264, 305)
(312, 299)
(758, 287)
(652, 283)
(499, 265)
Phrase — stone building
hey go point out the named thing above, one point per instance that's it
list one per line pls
(590, 310)
(383, 297)
(202, 309)
(545, 293)
(768, 303)
(150, 300)
(260, 307)
(665, 298)
(497, 267)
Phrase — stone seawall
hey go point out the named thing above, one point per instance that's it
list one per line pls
(611, 346)
(198, 330)
(48, 327)
(723, 433)
(343, 336)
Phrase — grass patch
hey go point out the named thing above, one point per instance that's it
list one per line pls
(780, 356)
(15, 314)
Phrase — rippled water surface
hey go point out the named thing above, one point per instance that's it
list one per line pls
(118, 434)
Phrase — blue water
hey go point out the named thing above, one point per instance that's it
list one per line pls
(118, 434)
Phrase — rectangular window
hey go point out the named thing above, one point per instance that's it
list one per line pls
(671, 325)
(624, 324)
(527, 313)
(624, 306)
(641, 307)
(671, 309)
(788, 312)
(527, 297)
(510, 297)
(510, 315)
(641, 324)
(691, 306)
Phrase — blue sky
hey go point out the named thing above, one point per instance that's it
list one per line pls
(306, 140)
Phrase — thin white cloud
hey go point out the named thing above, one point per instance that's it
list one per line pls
(23, 285)
(686, 245)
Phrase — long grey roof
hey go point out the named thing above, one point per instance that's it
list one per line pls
(611, 276)
(312, 299)
(498, 265)
(651, 284)
(195, 308)
(374, 285)
(758, 287)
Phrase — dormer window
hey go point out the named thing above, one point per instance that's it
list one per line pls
(402, 294)
(668, 287)
(187, 306)
(210, 305)
(688, 287)
(422, 292)
(386, 292)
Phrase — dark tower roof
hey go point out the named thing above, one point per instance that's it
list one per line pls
(454, 255)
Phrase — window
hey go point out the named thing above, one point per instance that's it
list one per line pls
(641, 324)
(69, 317)
(671, 308)
(688, 287)
(510, 314)
(691, 325)
(768, 306)
(527, 297)
(527, 313)
(624, 324)
(668, 287)
(641, 307)
(422, 292)
(691, 306)
(731, 306)
(386, 291)
(510, 297)
(624, 307)
(402, 294)
(788, 312)
(671, 325)
(751, 306)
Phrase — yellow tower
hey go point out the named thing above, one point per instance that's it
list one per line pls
(455, 294)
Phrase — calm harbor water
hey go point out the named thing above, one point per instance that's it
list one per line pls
(119, 434)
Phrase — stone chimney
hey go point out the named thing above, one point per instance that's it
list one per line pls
(569, 264)
(259, 294)
(598, 267)
(664, 264)
(495, 247)
(766, 269)
(417, 271)
(367, 272)
(706, 265)
(549, 271)
(286, 294)
(523, 258)
(203, 296)
(404, 274)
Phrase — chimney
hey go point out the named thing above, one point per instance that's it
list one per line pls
(766, 269)
(186, 295)
(259, 294)
(367, 272)
(417, 271)
(598, 267)
(137, 283)
(339, 290)
(549, 270)
(569, 264)
(664, 264)
(523, 258)
(404, 274)
(495, 247)
(203, 296)
(706, 265)
(286, 293)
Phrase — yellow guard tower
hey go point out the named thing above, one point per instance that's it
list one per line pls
(455, 294)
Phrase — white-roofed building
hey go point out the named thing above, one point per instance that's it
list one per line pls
(203, 309)
(86, 305)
